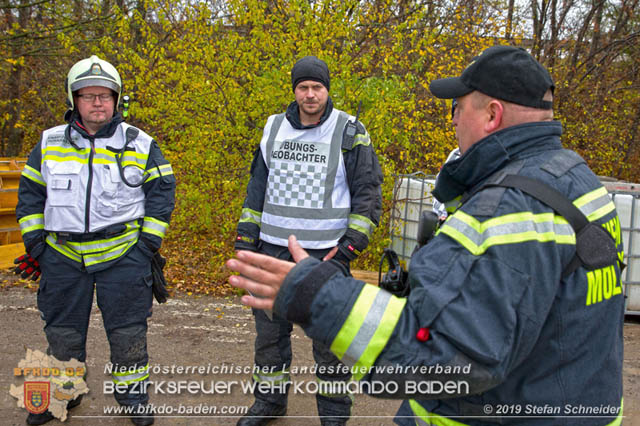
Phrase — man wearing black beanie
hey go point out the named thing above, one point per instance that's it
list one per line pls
(315, 175)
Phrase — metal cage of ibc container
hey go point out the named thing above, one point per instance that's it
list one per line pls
(412, 195)
(626, 197)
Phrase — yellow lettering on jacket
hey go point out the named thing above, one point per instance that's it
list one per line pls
(603, 285)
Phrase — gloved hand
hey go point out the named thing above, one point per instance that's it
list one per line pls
(159, 283)
(27, 267)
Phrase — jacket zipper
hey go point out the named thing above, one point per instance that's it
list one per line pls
(87, 205)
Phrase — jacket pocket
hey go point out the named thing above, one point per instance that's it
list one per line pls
(64, 183)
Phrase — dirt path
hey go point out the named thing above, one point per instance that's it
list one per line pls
(212, 333)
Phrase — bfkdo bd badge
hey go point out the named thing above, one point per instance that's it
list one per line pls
(36, 396)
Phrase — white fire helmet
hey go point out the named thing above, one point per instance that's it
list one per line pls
(92, 71)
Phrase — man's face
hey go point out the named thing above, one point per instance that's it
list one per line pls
(311, 97)
(469, 122)
(97, 111)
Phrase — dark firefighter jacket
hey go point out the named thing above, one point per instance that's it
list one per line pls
(488, 315)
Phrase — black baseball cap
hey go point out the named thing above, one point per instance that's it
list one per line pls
(503, 72)
(310, 68)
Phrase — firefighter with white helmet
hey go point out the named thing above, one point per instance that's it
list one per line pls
(94, 204)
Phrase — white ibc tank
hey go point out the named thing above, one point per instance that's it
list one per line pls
(627, 204)
(412, 194)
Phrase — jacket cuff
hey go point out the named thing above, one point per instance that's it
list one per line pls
(346, 252)
(245, 243)
(300, 287)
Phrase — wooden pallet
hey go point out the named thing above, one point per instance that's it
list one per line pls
(10, 238)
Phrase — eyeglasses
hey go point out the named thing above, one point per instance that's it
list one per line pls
(90, 97)
(454, 104)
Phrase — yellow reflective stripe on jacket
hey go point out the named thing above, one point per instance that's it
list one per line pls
(154, 226)
(114, 253)
(595, 204)
(34, 175)
(618, 420)
(56, 153)
(130, 377)
(361, 139)
(100, 246)
(156, 172)
(251, 216)
(64, 250)
(129, 158)
(367, 329)
(31, 223)
(361, 224)
(97, 251)
(514, 228)
(425, 418)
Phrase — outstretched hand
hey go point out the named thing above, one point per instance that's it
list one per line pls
(262, 275)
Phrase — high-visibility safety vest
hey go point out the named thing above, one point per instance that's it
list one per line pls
(307, 192)
(86, 193)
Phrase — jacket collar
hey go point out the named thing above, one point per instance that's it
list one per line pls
(105, 131)
(293, 115)
(492, 153)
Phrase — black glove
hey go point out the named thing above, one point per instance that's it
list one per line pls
(27, 267)
(159, 283)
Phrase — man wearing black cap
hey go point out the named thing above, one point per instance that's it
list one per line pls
(314, 175)
(516, 311)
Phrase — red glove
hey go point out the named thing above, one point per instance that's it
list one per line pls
(27, 266)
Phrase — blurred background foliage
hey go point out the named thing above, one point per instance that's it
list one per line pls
(205, 75)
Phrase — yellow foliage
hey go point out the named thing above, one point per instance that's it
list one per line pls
(203, 83)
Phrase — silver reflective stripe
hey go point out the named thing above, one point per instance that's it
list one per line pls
(92, 259)
(128, 378)
(589, 208)
(102, 245)
(165, 170)
(31, 223)
(252, 216)
(275, 378)
(104, 156)
(368, 329)
(31, 173)
(361, 224)
(303, 234)
(311, 214)
(483, 236)
(154, 226)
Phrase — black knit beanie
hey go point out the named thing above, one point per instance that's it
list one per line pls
(310, 68)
